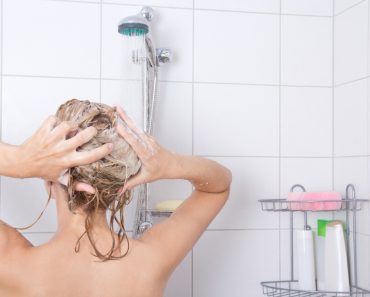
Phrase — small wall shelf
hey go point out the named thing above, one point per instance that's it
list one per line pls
(291, 287)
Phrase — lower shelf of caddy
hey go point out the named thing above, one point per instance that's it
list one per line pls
(290, 288)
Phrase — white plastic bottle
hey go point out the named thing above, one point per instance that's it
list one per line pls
(306, 260)
(336, 265)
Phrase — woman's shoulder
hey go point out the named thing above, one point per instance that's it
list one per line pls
(11, 239)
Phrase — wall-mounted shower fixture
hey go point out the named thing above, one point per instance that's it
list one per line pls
(143, 54)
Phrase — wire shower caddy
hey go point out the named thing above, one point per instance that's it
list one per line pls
(350, 205)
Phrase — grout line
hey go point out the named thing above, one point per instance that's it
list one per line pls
(351, 81)
(368, 108)
(255, 156)
(200, 9)
(48, 76)
(279, 162)
(76, 1)
(351, 156)
(333, 101)
(165, 81)
(263, 13)
(348, 8)
(192, 128)
(101, 48)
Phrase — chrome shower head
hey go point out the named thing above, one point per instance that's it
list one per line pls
(137, 24)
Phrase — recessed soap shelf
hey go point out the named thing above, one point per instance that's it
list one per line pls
(158, 213)
(350, 204)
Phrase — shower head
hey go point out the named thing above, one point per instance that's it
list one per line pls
(133, 25)
(136, 25)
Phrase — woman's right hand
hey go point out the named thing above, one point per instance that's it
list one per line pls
(157, 162)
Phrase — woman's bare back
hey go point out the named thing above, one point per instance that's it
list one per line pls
(55, 269)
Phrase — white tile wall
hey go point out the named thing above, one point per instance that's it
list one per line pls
(341, 5)
(228, 48)
(236, 120)
(350, 119)
(307, 7)
(166, 3)
(351, 44)
(267, 6)
(50, 38)
(306, 51)
(253, 179)
(233, 263)
(351, 111)
(300, 116)
(220, 97)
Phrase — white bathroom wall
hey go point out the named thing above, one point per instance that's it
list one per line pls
(250, 86)
(351, 114)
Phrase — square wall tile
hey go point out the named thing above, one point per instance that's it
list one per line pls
(354, 170)
(315, 174)
(165, 3)
(50, 38)
(341, 5)
(28, 101)
(172, 125)
(180, 284)
(236, 120)
(22, 201)
(351, 44)
(350, 119)
(223, 53)
(306, 121)
(171, 28)
(270, 6)
(253, 179)
(306, 51)
(233, 263)
(307, 7)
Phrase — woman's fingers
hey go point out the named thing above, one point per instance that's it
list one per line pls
(87, 157)
(130, 122)
(134, 141)
(61, 131)
(48, 125)
(81, 138)
(132, 182)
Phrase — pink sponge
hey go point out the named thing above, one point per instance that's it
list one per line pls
(307, 201)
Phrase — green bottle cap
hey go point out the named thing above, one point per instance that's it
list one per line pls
(321, 227)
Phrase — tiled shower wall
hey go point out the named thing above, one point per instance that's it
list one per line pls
(250, 85)
(351, 114)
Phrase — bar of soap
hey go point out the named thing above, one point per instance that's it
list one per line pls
(168, 205)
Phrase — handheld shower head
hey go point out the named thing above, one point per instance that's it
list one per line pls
(135, 25)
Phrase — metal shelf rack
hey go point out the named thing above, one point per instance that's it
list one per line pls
(350, 205)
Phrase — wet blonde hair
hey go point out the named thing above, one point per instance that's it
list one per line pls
(107, 175)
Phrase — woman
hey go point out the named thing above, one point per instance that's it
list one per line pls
(86, 257)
